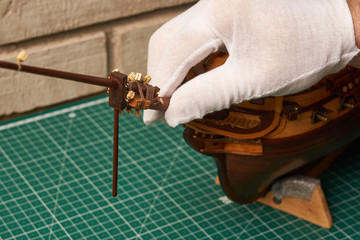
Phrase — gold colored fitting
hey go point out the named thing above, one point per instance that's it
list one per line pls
(22, 56)
(138, 77)
(350, 85)
(161, 101)
(128, 110)
(349, 105)
(116, 70)
(345, 89)
(130, 95)
(322, 117)
(357, 81)
(108, 90)
(137, 113)
(131, 76)
(147, 79)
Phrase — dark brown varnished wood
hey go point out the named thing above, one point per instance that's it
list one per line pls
(118, 87)
(99, 81)
(313, 125)
(115, 152)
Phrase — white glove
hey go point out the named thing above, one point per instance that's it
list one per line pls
(276, 47)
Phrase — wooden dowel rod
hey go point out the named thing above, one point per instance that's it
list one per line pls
(105, 82)
(115, 152)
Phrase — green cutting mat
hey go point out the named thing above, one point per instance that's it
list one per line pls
(56, 176)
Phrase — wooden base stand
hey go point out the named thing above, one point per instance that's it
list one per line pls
(315, 211)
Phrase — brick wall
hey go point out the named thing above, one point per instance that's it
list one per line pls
(91, 37)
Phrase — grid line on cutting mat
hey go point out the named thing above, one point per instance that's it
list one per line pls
(56, 171)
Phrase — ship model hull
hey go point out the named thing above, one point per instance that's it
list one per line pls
(254, 143)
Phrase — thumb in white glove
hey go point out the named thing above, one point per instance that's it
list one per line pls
(276, 47)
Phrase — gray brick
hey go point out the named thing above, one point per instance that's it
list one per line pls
(21, 20)
(84, 53)
(129, 41)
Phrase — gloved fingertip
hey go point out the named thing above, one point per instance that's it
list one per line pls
(151, 116)
(177, 114)
(149, 123)
(171, 122)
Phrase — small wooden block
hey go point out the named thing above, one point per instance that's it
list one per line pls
(315, 211)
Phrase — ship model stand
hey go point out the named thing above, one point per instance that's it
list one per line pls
(273, 149)
(280, 143)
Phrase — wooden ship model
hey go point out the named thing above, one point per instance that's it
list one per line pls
(256, 142)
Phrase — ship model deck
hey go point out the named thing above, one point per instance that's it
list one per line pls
(256, 142)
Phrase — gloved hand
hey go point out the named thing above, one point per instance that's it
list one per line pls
(276, 47)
